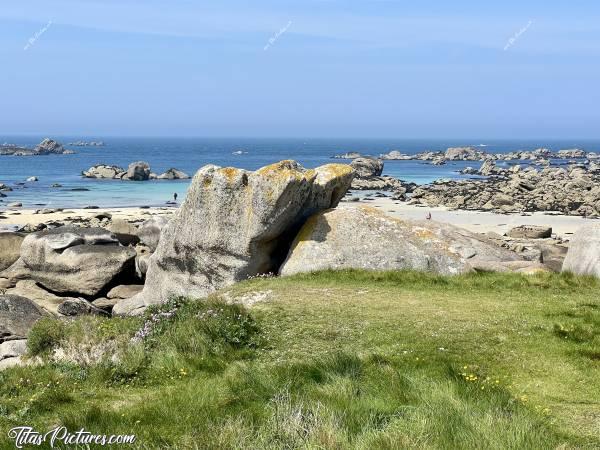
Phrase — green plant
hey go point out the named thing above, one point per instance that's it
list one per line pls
(45, 336)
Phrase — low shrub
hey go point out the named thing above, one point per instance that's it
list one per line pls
(45, 336)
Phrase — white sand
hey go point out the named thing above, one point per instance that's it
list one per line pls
(480, 222)
(19, 217)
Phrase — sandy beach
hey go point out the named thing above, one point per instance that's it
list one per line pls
(14, 218)
(477, 221)
(481, 222)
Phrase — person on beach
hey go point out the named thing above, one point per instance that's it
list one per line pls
(175, 197)
(428, 216)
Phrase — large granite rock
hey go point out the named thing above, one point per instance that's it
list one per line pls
(583, 256)
(235, 224)
(10, 248)
(17, 316)
(364, 238)
(138, 171)
(76, 260)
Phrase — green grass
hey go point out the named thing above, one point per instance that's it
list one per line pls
(334, 360)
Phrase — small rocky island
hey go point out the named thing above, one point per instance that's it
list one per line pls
(46, 147)
(137, 171)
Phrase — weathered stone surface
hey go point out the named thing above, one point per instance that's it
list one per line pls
(45, 300)
(78, 307)
(76, 260)
(104, 171)
(126, 233)
(530, 232)
(125, 291)
(10, 248)
(234, 224)
(138, 171)
(17, 316)
(583, 256)
(149, 231)
(13, 349)
(105, 304)
(364, 238)
(367, 167)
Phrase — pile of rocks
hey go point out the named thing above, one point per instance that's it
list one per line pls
(137, 171)
(369, 177)
(46, 147)
(574, 190)
(477, 154)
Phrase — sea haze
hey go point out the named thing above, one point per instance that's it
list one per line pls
(189, 154)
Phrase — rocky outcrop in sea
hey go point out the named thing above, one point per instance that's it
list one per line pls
(477, 154)
(46, 147)
(137, 171)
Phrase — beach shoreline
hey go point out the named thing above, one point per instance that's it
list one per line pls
(17, 218)
(483, 222)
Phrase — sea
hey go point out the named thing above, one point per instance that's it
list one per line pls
(190, 154)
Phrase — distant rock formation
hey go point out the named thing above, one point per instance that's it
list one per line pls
(46, 147)
(87, 144)
(137, 171)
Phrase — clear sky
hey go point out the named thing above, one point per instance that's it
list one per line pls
(305, 68)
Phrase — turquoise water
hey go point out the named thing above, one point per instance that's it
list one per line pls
(189, 154)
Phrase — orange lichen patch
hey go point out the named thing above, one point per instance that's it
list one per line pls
(282, 169)
(424, 233)
(338, 170)
(230, 173)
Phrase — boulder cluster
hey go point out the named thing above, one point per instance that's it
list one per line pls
(137, 171)
(46, 147)
(369, 177)
(477, 154)
(573, 190)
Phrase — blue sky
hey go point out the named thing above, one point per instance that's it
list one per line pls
(369, 68)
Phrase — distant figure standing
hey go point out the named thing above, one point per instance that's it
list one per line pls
(428, 216)
(175, 197)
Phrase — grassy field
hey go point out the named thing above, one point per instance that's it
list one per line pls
(331, 361)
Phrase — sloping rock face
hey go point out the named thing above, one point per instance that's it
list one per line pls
(10, 248)
(75, 260)
(232, 225)
(17, 316)
(364, 238)
(583, 256)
